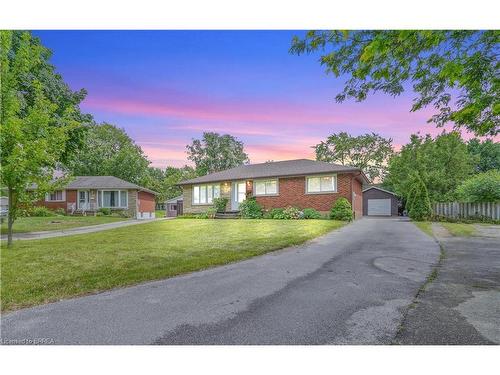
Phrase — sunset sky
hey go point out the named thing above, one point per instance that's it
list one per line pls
(167, 87)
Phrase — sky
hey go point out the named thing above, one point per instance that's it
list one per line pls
(166, 88)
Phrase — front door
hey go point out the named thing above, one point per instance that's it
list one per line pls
(83, 199)
(238, 194)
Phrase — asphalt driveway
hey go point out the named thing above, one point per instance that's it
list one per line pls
(351, 286)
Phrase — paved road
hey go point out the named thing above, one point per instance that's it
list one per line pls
(78, 230)
(462, 305)
(351, 286)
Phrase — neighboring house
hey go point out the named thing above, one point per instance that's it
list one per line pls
(90, 193)
(4, 206)
(300, 183)
(173, 207)
(379, 202)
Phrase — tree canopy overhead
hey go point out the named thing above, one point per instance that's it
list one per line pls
(370, 152)
(455, 71)
(215, 152)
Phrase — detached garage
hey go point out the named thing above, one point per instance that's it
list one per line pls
(379, 202)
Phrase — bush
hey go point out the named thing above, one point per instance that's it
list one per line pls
(311, 213)
(208, 214)
(277, 213)
(60, 212)
(341, 210)
(250, 209)
(420, 208)
(292, 213)
(483, 187)
(41, 212)
(220, 204)
(105, 211)
(123, 213)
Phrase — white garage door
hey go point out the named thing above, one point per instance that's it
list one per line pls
(380, 207)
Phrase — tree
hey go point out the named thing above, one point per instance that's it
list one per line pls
(341, 210)
(482, 187)
(370, 152)
(442, 163)
(486, 154)
(420, 208)
(34, 129)
(454, 71)
(173, 177)
(214, 153)
(109, 151)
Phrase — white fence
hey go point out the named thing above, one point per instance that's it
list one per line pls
(468, 210)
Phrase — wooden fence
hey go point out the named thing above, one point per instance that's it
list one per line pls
(457, 210)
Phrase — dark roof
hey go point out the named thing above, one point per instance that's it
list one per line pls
(379, 188)
(299, 167)
(102, 182)
(174, 200)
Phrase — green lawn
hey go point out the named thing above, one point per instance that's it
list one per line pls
(425, 226)
(39, 271)
(460, 229)
(36, 224)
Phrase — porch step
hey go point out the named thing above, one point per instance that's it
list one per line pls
(227, 215)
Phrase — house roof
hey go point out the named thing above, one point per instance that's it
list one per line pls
(286, 168)
(174, 200)
(379, 188)
(102, 182)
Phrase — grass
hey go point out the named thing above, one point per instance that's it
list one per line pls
(425, 226)
(40, 271)
(159, 213)
(36, 224)
(460, 229)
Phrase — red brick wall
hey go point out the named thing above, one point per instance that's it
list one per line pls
(292, 193)
(70, 197)
(146, 202)
(357, 188)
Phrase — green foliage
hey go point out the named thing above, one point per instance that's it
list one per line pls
(220, 204)
(442, 163)
(36, 121)
(341, 210)
(486, 154)
(454, 71)
(277, 213)
(41, 211)
(311, 213)
(370, 152)
(214, 153)
(208, 214)
(250, 209)
(109, 151)
(420, 208)
(105, 211)
(483, 187)
(292, 213)
(60, 211)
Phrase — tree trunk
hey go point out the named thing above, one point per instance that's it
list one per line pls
(10, 218)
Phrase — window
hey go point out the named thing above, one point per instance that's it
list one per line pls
(55, 196)
(205, 194)
(113, 198)
(266, 187)
(321, 184)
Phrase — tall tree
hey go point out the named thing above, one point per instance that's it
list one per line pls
(370, 152)
(486, 154)
(173, 177)
(216, 152)
(34, 128)
(455, 71)
(109, 151)
(442, 164)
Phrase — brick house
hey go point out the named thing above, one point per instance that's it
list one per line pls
(300, 183)
(87, 194)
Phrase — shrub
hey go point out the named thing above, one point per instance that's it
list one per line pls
(292, 213)
(250, 209)
(220, 204)
(41, 212)
(311, 213)
(123, 213)
(277, 213)
(420, 208)
(483, 187)
(105, 211)
(341, 210)
(208, 214)
(60, 211)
